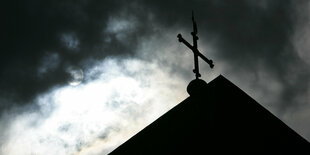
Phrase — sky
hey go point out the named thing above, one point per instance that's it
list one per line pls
(81, 77)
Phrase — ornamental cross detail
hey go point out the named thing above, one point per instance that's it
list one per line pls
(195, 50)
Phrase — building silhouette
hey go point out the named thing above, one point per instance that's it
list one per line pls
(217, 118)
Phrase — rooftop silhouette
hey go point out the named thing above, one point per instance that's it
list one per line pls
(217, 118)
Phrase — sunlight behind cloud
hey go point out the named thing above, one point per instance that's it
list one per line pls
(126, 95)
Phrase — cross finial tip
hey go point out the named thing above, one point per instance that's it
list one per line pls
(192, 14)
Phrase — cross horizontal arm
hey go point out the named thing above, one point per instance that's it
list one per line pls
(181, 39)
(196, 51)
(209, 61)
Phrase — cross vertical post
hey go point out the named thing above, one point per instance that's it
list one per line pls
(195, 38)
(194, 49)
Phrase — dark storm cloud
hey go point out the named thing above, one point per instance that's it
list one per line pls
(45, 37)
(251, 40)
(248, 35)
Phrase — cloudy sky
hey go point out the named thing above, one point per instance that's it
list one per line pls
(81, 77)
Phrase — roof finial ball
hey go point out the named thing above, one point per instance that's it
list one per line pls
(196, 86)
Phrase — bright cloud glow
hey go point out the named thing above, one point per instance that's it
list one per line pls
(76, 75)
(82, 119)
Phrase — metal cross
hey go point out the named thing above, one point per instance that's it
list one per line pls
(195, 50)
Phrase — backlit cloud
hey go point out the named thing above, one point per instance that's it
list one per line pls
(128, 68)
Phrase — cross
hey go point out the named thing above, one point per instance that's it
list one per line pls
(195, 50)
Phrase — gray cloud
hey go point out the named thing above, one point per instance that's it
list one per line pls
(250, 37)
(61, 27)
(94, 116)
(260, 45)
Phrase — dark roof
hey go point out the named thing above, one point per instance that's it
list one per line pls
(222, 119)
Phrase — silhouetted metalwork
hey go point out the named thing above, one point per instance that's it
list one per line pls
(194, 48)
